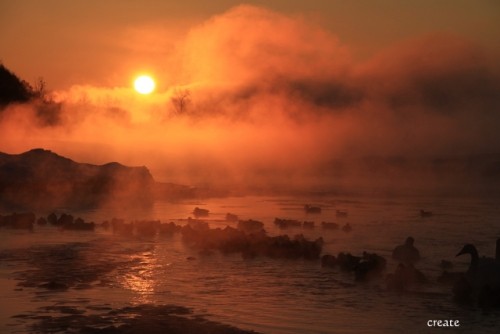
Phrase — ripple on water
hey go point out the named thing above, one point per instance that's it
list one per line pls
(105, 273)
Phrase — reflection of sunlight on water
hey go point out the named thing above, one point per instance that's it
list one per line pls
(141, 279)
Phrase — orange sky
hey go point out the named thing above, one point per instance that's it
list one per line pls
(274, 92)
(102, 42)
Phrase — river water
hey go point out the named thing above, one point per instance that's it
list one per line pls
(262, 294)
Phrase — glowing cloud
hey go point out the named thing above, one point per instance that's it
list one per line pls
(264, 98)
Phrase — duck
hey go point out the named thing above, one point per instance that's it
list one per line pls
(198, 212)
(347, 227)
(425, 214)
(347, 261)
(231, 217)
(340, 213)
(328, 260)
(370, 266)
(312, 209)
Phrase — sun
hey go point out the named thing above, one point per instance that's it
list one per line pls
(144, 84)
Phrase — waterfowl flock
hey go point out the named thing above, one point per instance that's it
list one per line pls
(364, 267)
(26, 221)
(479, 285)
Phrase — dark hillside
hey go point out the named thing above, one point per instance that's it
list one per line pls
(41, 179)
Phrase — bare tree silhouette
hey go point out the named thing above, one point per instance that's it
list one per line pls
(181, 99)
(40, 88)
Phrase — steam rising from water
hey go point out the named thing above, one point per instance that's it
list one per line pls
(272, 100)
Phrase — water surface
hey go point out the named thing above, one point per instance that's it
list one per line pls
(262, 294)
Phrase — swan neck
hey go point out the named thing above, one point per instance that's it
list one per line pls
(497, 253)
(474, 261)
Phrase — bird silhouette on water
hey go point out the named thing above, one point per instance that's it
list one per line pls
(407, 254)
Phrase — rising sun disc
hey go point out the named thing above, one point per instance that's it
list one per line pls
(144, 84)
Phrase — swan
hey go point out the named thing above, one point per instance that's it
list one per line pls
(479, 264)
(476, 261)
(482, 277)
(497, 252)
(406, 253)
